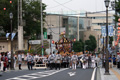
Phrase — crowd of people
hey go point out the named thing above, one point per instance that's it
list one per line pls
(54, 60)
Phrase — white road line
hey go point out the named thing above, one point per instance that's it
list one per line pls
(71, 73)
(93, 74)
(37, 75)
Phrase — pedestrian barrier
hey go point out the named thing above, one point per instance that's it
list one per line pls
(41, 65)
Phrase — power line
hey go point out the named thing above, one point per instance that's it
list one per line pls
(64, 6)
(51, 29)
(79, 13)
(59, 4)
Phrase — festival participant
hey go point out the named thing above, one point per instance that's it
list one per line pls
(19, 60)
(93, 61)
(58, 59)
(51, 59)
(89, 61)
(74, 61)
(30, 60)
(83, 60)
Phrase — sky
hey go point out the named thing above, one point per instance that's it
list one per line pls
(74, 5)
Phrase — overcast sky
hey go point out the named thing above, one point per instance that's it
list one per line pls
(75, 5)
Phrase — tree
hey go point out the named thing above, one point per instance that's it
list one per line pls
(117, 9)
(91, 43)
(82, 47)
(5, 9)
(77, 46)
(31, 16)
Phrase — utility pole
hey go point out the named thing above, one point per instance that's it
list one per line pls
(78, 29)
(59, 27)
(20, 26)
(50, 40)
(41, 26)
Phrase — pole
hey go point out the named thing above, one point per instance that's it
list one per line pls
(103, 54)
(12, 62)
(20, 26)
(50, 42)
(59, 27)
(98, 43)
(78, 29)
(107, 41)
(115, 30)
(41, 26)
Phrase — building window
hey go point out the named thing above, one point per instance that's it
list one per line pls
(3, 46)
(84, 35)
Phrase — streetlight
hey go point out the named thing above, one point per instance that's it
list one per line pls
(107, 38)
(11, 17)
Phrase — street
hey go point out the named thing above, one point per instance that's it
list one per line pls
(63, 74)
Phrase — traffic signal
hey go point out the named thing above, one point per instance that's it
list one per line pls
(10, 2)
(74, 39)
(53, 41)
(4, 9)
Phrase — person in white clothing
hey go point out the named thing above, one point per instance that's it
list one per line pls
(74, 61)
(93, 61)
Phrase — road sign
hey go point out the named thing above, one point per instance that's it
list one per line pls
(103, 31)
(110, 30)
(34, 41)
(13, 35)
(45, 35)
(7, 34)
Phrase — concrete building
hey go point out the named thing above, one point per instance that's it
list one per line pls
(73, 24)
(5, 44)
(98, 20)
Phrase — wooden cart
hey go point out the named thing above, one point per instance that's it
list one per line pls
(41, 65)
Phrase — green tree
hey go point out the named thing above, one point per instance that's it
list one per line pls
(77, 46)
(91, 43)
(82, 47)
(4, 14)
(117, 8)
(31, 16)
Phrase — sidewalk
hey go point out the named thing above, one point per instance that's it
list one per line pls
(114, 74)
(24, 67)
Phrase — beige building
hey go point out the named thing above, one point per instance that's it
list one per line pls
(98, 20)
(5, 44)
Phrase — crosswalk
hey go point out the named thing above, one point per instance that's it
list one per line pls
(37, 75)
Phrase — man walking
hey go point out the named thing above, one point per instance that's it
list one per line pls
(51, 59)
(74, 61)
(19, 60)
(58, 59)
(30, 61)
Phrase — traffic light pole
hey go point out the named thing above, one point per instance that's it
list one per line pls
(41, 25)
(50, 42)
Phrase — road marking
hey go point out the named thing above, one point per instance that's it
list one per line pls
(93, 74)
(71, 73)
(116, 73)
(37, 75)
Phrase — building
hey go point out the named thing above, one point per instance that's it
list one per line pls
(73, 24)
(5, 44)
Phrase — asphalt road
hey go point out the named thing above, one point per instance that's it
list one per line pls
(63, 74)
